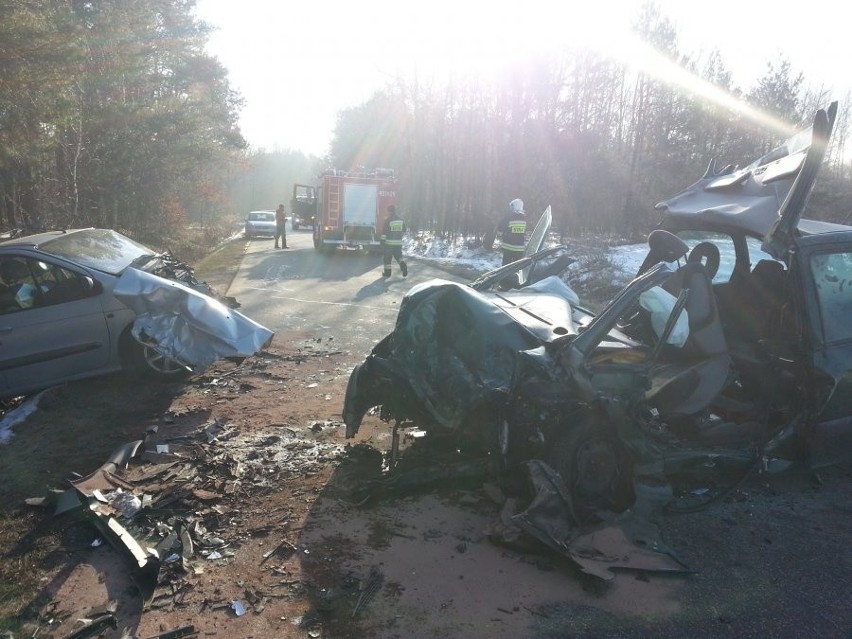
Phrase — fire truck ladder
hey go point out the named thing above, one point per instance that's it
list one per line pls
(334, 203)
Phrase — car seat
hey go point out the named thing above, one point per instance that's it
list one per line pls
(688, 379)
(768, 283)
(663, 246)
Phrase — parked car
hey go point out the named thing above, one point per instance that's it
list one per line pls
(83, 302)
(260, 223)
(692, 375)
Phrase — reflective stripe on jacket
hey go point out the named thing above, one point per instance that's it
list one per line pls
(513, 234)
(394, 228)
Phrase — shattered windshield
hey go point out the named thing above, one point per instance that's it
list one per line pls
(101, 249)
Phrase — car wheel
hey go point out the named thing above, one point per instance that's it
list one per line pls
(161, 365)
(138, 360)
(596, 467)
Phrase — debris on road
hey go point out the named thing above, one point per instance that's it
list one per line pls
(166, 511)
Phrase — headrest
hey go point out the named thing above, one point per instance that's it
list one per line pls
(666, 246)
(13, 270)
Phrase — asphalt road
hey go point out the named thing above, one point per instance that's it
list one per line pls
(299, 292)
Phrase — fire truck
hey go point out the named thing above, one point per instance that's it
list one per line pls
(304, 206)
(351, 208)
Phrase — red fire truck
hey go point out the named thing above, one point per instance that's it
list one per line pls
(352, 207)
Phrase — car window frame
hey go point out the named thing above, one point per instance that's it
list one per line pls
(825, 312)
(39, 293)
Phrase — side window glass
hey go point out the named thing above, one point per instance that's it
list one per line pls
(757, 254)
(57, 285)
(17, 286)
(832, 273)
(27, 283)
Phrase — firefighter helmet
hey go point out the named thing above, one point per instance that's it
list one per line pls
(516, 206)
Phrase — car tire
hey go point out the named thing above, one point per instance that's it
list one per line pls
(596, 467)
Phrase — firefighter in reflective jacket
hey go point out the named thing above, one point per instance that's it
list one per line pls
(513, 233)
(392, 241)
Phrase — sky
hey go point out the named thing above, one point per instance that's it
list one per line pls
(297, 64)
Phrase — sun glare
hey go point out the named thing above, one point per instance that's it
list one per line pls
(297, 78)
(643, 58)
(487, 43)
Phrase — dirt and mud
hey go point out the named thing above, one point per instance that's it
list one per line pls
(258, 509)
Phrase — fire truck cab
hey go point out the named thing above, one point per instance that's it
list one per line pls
(304, 206)
(352, 207)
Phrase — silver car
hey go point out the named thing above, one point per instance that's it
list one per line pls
(260, 223)
(84, 302)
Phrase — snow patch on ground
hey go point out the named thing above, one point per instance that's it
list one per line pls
(459, 251)
(16, 416)
(463, 252)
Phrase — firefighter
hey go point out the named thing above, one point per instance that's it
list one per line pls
(281, 226)
(513, 232)
(392, 242)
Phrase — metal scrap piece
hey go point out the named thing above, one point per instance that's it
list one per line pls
(597, 551)
(177, 633)
(96, 626)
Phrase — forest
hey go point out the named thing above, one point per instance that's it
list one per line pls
(112, 114)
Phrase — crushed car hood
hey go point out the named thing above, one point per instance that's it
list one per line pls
(475, 340)
(185, 325)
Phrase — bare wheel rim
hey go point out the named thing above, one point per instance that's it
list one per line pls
(159, 363)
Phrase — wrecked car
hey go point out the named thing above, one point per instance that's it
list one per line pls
(84, 302)
(693, 375)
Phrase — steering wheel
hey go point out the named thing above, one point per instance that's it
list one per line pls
(707, 254)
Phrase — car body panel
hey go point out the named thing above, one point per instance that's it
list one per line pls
(72, 340)
(780, 238)
(751, 199)
(536, 239)
(184, 325)
(825, 263)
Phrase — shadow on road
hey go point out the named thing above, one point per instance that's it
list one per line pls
(300, 264)
(377, 287)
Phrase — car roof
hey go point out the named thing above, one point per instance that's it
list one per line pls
(750, 200)
(755, 222)
(33, 241)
